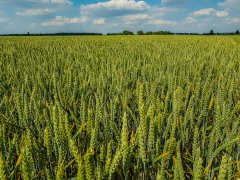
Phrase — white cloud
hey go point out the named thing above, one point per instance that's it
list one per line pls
(162, 22)
(135, 17)
(230, 4)
(130, 13)
(233, 20)
(130, 23)
(152, 13)
(221, 13)
(60, 1)
(99, 21)
(3, 20)
(35, 12)
(114, 7)
(152, 16)
(209, 12)
(161, 11)
(60, 21)
(190, 20)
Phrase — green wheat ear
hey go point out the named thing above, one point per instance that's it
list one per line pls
(223, 168)
(3, 175)
(47, 142)
(27, 164)
(115, 163)
(179, 162)
(81, 169)
(198, 169)
(230, 168)
(88, 164)
(151, 132)
(108, 158)
(125, 145)
(195, 142)
(60, 172)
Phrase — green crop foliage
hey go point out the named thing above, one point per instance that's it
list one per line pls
(139, 107)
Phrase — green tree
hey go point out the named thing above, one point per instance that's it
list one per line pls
(126, 32)
(211, 32)
(149, 33)
(140, 32)
(237, 32)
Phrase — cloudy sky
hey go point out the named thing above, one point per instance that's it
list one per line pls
(48, 16)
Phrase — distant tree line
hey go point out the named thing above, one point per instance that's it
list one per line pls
(141, 32)
(187, 33)
(217, 33)
(125, 32)
(54, 34)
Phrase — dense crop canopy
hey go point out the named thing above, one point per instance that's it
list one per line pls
(120, 107)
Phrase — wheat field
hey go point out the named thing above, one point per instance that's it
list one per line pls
(123, 107)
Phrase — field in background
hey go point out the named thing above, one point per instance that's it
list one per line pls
(139, 107)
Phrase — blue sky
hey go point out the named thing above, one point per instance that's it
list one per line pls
(48, 16)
